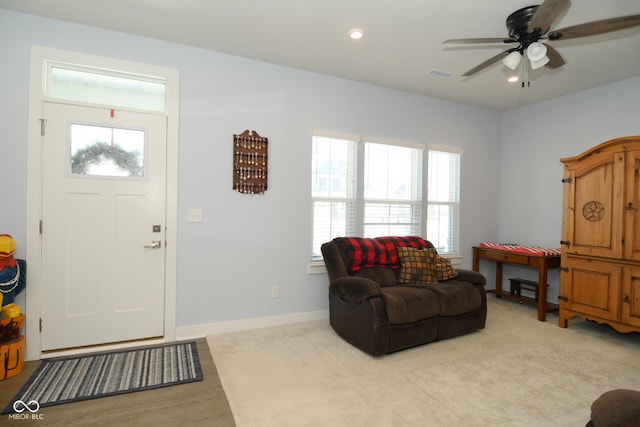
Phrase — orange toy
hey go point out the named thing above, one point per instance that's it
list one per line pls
(12, 358)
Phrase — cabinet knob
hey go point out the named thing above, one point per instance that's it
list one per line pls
(630, 207)
(626, 299)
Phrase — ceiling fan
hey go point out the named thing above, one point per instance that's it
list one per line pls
(529, 28)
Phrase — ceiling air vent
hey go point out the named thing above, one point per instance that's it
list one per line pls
(440, 74)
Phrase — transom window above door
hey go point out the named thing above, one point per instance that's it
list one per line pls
(68, 82)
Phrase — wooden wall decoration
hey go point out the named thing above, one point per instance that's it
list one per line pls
(250, 163)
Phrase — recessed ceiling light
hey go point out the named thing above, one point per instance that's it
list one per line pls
(513, 79)
(356, 33)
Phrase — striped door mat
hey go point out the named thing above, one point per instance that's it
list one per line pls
(72, 379)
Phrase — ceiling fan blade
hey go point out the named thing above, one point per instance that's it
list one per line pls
(479, 40)
(488, 62)
(555, 59)
(595, 27)
(546, 14)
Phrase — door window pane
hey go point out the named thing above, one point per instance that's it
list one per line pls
(106, 151)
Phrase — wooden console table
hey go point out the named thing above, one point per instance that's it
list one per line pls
(540, 262)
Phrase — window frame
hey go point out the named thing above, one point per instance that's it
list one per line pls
(454, 205)
(417, 183)
(349, 199)
(357, 228)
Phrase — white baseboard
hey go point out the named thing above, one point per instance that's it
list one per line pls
(200, 331)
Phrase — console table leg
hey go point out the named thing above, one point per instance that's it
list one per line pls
(542, 291)
(498, 279)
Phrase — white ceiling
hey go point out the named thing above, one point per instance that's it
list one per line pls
(403, 40)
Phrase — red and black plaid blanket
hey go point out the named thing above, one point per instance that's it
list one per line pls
(362, 252)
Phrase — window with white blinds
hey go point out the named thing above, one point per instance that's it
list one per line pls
(392, 190)
(443, 201)
(333, 189)
(377, 190)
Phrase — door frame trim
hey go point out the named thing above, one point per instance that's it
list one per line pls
(40, 56)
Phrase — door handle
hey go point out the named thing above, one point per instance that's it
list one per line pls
(153, 245)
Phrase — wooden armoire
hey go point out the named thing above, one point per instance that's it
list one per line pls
(600, 264)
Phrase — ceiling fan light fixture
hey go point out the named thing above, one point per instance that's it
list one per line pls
(537, 54)
(536, 51)
(528, 25)
(512, 60)
(540, 63)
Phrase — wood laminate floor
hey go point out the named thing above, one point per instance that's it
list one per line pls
(201, 403)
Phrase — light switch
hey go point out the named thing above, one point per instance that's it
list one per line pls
(195, 215)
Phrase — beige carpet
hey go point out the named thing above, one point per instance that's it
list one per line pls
(516, 372)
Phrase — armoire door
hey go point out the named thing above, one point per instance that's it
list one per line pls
(593, 211)
(631, 205)
(631, 297)
(591, 287)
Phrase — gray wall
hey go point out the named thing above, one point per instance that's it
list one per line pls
(533, 140)
(228, 263)
(510, 190)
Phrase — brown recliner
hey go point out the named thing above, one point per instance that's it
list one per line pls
(616, 408)
(372, 311)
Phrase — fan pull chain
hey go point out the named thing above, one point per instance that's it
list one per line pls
(525, 72)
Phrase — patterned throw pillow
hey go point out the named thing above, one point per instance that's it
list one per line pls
(444, 270)
(417, 266)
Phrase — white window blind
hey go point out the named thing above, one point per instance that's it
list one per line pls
(377, 190)
(392, 190)
(333, 189)
(443, 204)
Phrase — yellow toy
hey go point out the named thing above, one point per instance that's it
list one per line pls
(12, 271)
(11, 310)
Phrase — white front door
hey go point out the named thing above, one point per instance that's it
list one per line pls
(103, 226)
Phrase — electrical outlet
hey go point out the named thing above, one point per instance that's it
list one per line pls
(275, 291)
(195, 215)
